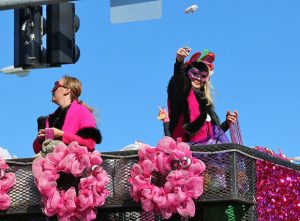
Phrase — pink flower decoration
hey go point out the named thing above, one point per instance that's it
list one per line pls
(3, 165)
(52, 204)
(78, 161)
(7, 181)
(4, 201)
(167, 178)
(84, 199)
(277, 189)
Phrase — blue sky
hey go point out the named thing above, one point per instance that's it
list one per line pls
(125, 69)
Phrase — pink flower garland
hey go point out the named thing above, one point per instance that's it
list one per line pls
(7, 181)
(173, 164)
(78, 161)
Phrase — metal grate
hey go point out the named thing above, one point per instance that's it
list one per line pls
(250, 152)
(228, 176)
(130, 216)
(24, 196)
(118, 171)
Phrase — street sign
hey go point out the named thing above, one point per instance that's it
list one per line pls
(122, 11)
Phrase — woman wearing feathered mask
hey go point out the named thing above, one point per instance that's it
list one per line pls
(192, 117)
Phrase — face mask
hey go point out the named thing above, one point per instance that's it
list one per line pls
(195, 74)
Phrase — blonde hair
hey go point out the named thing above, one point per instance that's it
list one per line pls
(76, 88)
(207, 92)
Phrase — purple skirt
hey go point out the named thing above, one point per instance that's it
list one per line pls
(218, 137)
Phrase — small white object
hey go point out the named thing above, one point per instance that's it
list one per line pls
(208, 118)
(191, 9)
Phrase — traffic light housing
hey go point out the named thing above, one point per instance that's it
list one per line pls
(28, 31)
(62, 24)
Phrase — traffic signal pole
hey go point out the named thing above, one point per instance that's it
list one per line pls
(15, 4)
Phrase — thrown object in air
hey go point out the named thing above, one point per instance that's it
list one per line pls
(191, 9)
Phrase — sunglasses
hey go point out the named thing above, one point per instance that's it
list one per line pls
(56, 86)
(195, 74)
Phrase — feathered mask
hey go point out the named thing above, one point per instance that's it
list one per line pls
(206, 57)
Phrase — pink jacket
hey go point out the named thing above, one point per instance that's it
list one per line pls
(77, 118)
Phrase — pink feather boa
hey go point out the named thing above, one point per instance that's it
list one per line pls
(78, 161)
(182, 178)
(7, 181)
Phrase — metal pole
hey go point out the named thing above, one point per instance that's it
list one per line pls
(13, 4)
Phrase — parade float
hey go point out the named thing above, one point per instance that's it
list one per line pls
(172, 181)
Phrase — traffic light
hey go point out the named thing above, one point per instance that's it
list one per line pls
(28, 31)
(60, 27)
(62, 24)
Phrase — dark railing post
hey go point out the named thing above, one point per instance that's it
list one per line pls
(233, 174)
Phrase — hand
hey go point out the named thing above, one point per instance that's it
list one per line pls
(41, 134)
(182, 53)
(231, 117)
(163, 115)
(58, 134)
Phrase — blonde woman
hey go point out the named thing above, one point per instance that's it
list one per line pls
(73, 120)
(191, 112)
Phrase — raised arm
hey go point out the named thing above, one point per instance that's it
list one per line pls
(181, 54)
(179, 82)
